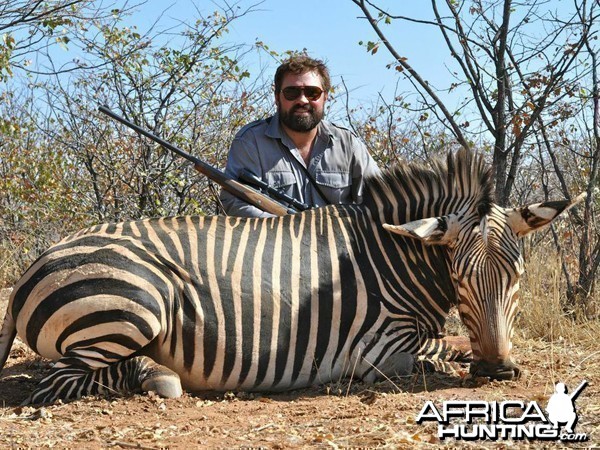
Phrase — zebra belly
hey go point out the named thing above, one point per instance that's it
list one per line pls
(268, 352)
(226, 303)
(259, 378)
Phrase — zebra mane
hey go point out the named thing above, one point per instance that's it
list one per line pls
(411, 191)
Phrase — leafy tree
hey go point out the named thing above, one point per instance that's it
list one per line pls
(31, 28)
(64, 166)
(515, 60)
(570, 155)
(531, 78)
(191, 90)
(38, 200)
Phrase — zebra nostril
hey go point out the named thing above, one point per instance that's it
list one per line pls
(505, 375)
(516, 371)
(495, 371)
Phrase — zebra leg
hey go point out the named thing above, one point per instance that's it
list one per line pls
(71, 379)
(443, 355)
(396, 365)
(446, 349)
(433, 366)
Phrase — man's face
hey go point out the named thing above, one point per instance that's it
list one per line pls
(303, 113)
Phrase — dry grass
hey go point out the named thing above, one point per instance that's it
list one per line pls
(549, 346)
(9, 270)
(541, 312)
(20, 247)
(17, 252)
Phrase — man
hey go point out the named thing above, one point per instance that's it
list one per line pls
(296, 151)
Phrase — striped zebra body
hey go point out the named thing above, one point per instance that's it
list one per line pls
(225, 303)
(297, 312)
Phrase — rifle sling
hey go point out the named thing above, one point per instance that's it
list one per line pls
(313, 182)
(304, 169)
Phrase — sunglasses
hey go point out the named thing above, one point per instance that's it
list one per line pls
(311, 93)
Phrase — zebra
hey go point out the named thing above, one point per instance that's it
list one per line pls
(245, 304)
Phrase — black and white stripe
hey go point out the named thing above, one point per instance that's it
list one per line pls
(264, 304)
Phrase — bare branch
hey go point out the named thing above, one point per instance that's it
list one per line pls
(406, 66)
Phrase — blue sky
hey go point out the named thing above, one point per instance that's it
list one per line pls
(329, 30)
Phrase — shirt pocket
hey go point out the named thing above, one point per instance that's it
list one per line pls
(279, 179)
(283, 181)
(336, 185)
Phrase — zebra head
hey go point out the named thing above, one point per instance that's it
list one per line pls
(486, 264)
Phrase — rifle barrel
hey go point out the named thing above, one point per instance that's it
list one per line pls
(252, 179)
(578, 390)
(232, 186)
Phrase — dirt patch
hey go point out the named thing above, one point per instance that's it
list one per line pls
(345, 414)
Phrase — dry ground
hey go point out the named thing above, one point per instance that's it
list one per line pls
(337, 415)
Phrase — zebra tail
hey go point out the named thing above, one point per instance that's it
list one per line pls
(7, 336)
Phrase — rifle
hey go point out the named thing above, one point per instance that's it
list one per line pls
(578, 390)
(250, 178)
(231, 185)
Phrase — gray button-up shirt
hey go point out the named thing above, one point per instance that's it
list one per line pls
(339, 162)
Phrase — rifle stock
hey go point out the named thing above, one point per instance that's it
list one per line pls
(231, 185)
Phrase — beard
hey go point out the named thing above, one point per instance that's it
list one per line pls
(301, 122)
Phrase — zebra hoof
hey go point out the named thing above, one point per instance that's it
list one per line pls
(166, 386)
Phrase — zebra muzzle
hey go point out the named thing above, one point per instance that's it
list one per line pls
(505, 370)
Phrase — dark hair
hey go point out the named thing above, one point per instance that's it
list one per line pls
(302, 64)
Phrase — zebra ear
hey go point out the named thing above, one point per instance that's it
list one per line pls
(433, 231)
(527, 219)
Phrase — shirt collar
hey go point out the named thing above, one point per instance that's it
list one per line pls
(325, 129)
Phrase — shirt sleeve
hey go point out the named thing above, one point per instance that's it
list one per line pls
(364, 166)
(241, 156)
